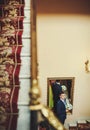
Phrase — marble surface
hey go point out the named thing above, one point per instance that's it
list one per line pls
(16, 121)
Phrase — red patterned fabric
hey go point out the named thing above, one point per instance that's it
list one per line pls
(11, 2)
(11, 30)
(12, 11)
(8, 99)
(8, 122)
(10, 25)
(9, 75)
(11, 39)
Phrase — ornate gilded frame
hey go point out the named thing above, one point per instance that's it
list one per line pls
(68, 82)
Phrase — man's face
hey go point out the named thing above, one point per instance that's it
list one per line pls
(63, 96)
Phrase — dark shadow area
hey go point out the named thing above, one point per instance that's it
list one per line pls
(63, 6)
(16, 121)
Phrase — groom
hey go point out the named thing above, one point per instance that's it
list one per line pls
(56, 89)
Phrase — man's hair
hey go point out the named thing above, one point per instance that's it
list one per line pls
(57, 80)
(61, 93)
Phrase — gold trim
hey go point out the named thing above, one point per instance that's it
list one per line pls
(36, 107)
(35, 94)
(49, 115)
(87, 66)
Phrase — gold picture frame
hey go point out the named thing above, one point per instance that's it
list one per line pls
(67, 84)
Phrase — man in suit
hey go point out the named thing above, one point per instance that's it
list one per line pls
(56, 89)
(61, 109)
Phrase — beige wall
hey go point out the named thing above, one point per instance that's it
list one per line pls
(63, 36)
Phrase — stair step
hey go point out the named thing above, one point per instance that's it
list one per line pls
(80, 125)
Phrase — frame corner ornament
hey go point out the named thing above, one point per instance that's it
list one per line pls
(87, 68)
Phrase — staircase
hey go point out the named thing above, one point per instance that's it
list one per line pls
(80, 125)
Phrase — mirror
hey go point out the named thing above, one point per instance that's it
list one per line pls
(67, 85)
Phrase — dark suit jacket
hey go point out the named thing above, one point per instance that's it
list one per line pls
(61, 111)
(56, 89)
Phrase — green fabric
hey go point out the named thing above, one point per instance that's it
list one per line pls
(50, 97)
